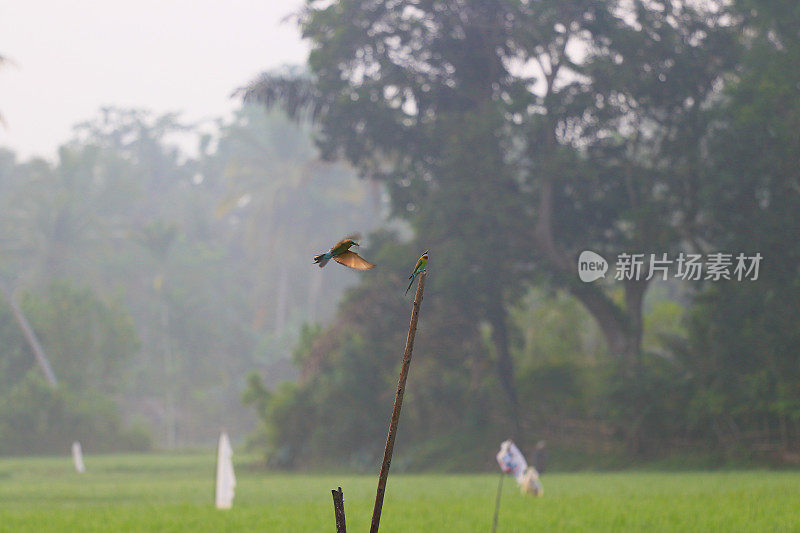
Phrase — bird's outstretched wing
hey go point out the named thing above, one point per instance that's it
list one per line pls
(353, 260)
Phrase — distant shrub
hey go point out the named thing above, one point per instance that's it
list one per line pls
(36, 418)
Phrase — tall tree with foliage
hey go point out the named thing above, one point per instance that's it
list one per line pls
(513, 135)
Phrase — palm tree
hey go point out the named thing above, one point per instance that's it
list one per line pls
(291, 89)
(284, 195)
(158, 238)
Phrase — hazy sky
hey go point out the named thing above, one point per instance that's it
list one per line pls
(73, 57)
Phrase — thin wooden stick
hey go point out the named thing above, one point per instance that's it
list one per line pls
(338, 510)
(497, 502)
(398, 404)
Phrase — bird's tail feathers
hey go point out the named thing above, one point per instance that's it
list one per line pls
(411, 283)
(321, 259)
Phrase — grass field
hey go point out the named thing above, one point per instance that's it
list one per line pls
(175, 493)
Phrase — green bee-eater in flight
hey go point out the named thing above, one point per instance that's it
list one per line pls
(341, 254)
(422, 263)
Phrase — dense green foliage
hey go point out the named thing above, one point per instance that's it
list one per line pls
(749, 334)
(175, 493)
(89, 340)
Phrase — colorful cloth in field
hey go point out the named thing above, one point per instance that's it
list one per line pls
(511, 460)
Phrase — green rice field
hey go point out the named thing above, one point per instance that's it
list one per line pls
(165, 492)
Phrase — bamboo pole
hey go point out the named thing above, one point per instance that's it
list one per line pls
(398, 404)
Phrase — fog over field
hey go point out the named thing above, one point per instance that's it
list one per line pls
(608, 194)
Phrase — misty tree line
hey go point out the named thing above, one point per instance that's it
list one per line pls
(512, 135)
(156, 280)
(509, 137)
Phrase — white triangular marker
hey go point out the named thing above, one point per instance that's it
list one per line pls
(77, 457)
(226, 479)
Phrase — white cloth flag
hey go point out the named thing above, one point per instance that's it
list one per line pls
(226, 479)
(77, 457)
(511, 460)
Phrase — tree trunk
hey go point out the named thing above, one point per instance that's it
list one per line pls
(608, 316)
(30, 336)
(633, 325)
(498, 319)
(169, 372)
(622, 328)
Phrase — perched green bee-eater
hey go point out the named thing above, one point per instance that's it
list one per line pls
(422, 263)
(341, 254)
